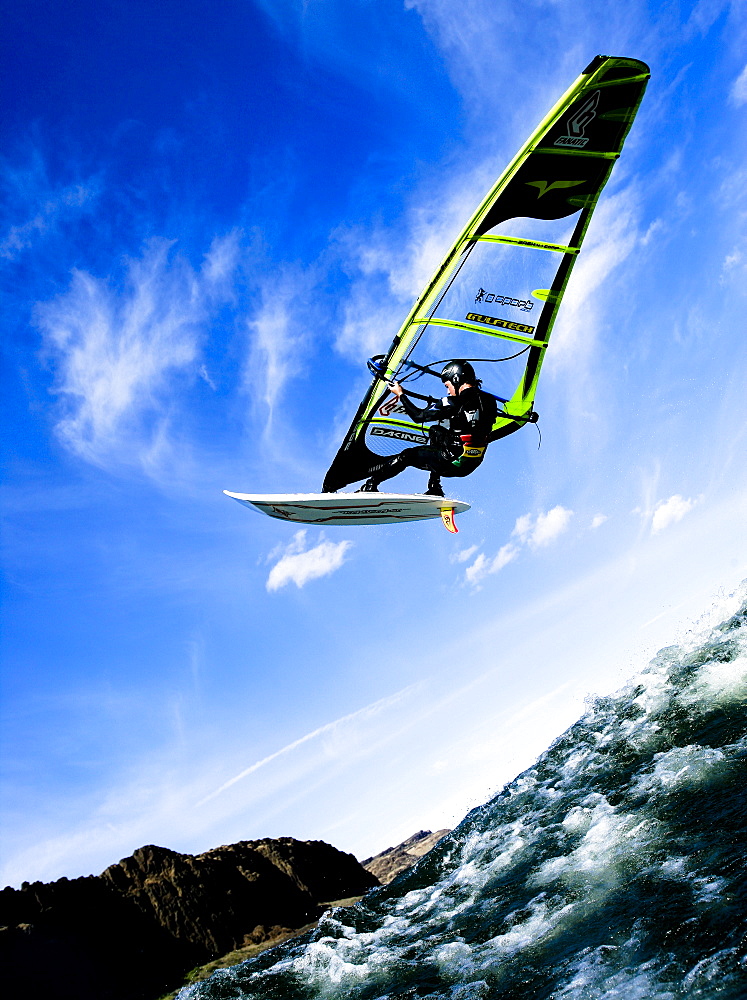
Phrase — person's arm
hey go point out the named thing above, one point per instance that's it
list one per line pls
(435, 410)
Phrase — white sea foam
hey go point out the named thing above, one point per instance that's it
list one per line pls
(593, 982)
(470, 991)
(572, 872)
(714, 969)
(610, 842)
(681, 766)
(719, 682)
(541, 920)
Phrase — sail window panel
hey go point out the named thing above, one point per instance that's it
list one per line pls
(441, 344)
(390, 429)
(495, 287)
(556, 231)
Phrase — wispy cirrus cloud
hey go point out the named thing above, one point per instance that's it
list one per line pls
(564, 37)
(389, 268)
(703, 15)
(611, 239)
(272, 343)
(738, 91)
(300, 565)
(338, 735)
(279, 328)
(116, 351)
(165, 798)
(66, 202)
(33, 206)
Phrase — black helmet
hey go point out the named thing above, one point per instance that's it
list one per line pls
(459, 373)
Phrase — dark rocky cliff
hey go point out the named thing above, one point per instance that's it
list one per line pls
(133, 931)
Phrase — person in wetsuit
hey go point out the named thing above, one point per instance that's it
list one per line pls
(455, 450)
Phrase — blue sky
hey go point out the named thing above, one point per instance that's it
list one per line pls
(209, 221)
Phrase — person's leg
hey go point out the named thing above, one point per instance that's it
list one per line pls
(425, 457)
(387, 468)
(443, 465)
(451, 471)
(434, 487)
(421, 457)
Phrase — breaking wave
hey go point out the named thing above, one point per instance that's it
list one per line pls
(612, 868)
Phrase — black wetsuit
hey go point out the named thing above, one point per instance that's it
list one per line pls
(456, 450)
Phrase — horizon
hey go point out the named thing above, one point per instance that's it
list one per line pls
(209, 224)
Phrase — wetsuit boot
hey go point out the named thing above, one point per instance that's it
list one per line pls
(434, 489)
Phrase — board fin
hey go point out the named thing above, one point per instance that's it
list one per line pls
(447, 516)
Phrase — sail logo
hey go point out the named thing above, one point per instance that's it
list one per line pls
(576, 126)
(544, 186)
(505, 324)
(526, 305)
(399, 435)
(391, 406)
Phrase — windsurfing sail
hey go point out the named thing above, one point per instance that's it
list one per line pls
(497, 292)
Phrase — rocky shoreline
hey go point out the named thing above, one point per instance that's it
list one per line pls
(133, 932)
(138, 929)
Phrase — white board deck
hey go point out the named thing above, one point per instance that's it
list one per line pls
(349, 508)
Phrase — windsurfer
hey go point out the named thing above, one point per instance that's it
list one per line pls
(453, 450)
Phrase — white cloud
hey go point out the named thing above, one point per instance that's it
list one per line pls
(300, 565)
(523, 526)
(279, 329)
(115, 352)
(466, 32)
(669, 512)
(731, 263)
(479, 568)
(703, 16)
(611, 238)
(433, 225)
(390, 268)
(338, 737)
(482, 566)
(528, 530)
(221, 260)
(543, 529)
(273, 342)
(44, 208)
(598, 520)
(464, 554)
(205, 376)
(368, 324)
(739, 89)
